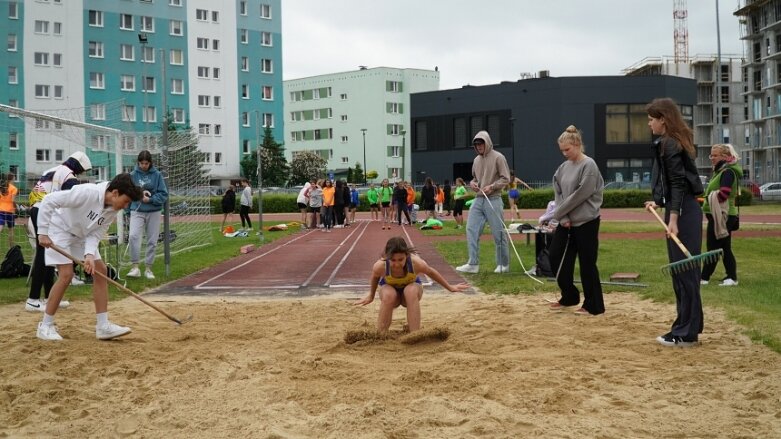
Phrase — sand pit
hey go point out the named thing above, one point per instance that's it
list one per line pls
(281, 369)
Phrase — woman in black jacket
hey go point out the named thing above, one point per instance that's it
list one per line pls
(676, 184)
(428, 197)
(228, 203)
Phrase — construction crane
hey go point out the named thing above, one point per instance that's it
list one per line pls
(680, 32)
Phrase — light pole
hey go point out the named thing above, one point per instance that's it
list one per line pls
(260, 175)
(364, 156)
(403, 144)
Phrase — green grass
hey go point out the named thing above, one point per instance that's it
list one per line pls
(182, 264)
(755, 303)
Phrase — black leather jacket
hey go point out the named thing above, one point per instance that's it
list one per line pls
(674, 174)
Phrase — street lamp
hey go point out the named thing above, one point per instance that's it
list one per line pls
(403, 144)
(260, 174)
(364, 156)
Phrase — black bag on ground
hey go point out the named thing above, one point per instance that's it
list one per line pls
(13, 265)
(544, 267)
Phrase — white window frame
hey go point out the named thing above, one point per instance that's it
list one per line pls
(128, 113)
(243, 36)
(204, 129)
(95, 18)
(56, 28)
(217, 100)
(59, 92)
(127, 82)
(42, 91)
(148, 55)
(264, 63)
(265, 11)
(41, 59)
(202, 15)
(13, 75)
(204, 100)
(175, 3)
(97, 80)
(149, 114)
(244, 64)
(148, 80)
(41, 27)
(42, 155)
(215, 16)
(127, 52)
(147, 24)
(244, 92)
(178, 115)
(267, 93)
(177, 86)
(175, 28)
(202, 43)
(215, 45)
(343, 118)
(217, 156)
(126, 22)
(203, 72)
(243, 7)
(13, 10)
(266, 39)
(245, 119)
(268, 120)
(177, 57)
(13, 43)
(57, 59)
(395, 151)
(217, 129)
(344, 139)
(216, 73)
(97, 111)
(95, 49)
(13, 140)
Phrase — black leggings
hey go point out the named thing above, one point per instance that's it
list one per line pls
(730, 265)
(41, 276)
(244, 214)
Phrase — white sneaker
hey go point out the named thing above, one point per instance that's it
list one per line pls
(63, 304)
(532, 271)
(110, 331)
(467, 268)
(48, 332)
(502, 269)
(704, 282)
(728, 283)
(148, 274)
(35, 305)
(77, 282)
(135, 272)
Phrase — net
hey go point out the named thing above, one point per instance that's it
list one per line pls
(40, 139)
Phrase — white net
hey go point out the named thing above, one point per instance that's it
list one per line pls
(40, 139)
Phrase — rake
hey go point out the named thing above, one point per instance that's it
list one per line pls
(123, 288)
(691, 262)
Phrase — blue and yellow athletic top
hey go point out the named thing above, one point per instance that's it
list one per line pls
(400, 282)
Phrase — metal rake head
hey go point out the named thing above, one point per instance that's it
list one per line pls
(692, 263)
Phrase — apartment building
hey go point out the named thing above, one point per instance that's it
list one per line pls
(721, 109)
(359, 116)
(126, 64)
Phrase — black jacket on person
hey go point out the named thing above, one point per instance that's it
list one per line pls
(674, 174)
(229, 201)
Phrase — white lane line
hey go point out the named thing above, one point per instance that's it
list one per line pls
(202, 285)
(346, 255)
(331, 255)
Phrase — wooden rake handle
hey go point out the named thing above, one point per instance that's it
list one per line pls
(672, 235)
(116, 284)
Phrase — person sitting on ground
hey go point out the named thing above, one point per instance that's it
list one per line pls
(397, 274)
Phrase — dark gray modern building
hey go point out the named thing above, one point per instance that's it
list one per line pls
(525, 119)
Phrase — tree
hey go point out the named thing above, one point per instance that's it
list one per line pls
(180, 160)
(371, 175)
(357, 174)
(306, 165)
(275, 169)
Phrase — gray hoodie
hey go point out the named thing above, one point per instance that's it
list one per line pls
(490, 168)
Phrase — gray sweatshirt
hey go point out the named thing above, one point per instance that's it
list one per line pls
(578, 188)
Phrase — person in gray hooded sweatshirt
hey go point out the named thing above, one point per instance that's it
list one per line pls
(146, 214)
(490, 174)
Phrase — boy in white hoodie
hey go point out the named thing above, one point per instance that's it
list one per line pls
(75, 221)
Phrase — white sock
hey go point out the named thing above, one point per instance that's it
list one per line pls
(102, 318)
(47, 319)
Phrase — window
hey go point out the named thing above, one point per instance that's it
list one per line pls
(244, 91)
(128, 142)
(395, 151)
(265, 11)
(57, 28)
(201, 14)
(215, 44)
(178, 115)
(148, 55)
(203, 100)
(217, 155)
(57, 59)
(177, 57)
(42, 155)
(202, 43)
(265, 39)
(41, 91)
(13, 140)
(216, 73)
(207, 157)
(393, 108)
(97, 111)
(244, 64)
(343, 96)
(13, 10)
(393, 86)
(41, 124)
(217, 129)
(41, 27)
(204, 128)
(126, 21)
(266, 66)
(95, 49)
(128, 113)
(215, 16)
(245, 146)
(268, 120)
(626, 124)
(343, 118)
(344, 139)
(126, 52)
(95, 18)
(345, 160)
(99, 141)
(175, 2)
(218, 101)
(268, 93)
(149, 85)
(203, 72)
(12, 44)
(58, 92)
(177, 86)
(724, 95)
(725, 72)
(147, 24)
(41, 58)
(243, 36)
(150, 114)
(13, 77)
(395, 129)
(245, 119)
(58, 153)
(243, 7)
(127, 83)
(175, 27)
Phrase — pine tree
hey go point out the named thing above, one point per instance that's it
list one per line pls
(275, 169)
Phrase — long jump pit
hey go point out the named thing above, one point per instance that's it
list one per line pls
(277, 366)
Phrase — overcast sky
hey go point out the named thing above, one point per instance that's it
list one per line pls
(488, 41)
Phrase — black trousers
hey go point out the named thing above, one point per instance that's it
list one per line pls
(402, 207)
(41, 276)
(581, 241)
(725, 244)
(688, 302)
(244, 214)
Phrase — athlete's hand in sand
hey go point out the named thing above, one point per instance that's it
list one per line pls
(365, 301)
(459, 288)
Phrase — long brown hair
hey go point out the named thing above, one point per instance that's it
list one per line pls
(397, 244)
(675, 126)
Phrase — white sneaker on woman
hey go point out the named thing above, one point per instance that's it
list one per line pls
(728, 282)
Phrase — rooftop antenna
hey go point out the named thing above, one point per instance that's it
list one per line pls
(680, 33)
